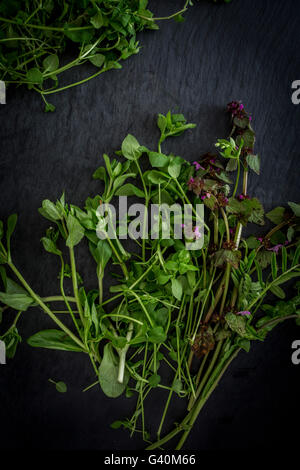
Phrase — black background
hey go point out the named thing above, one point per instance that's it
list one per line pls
(247, 50)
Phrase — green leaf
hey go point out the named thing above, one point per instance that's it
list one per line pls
(232, 164)
(254, 163)
(101, 253)
(252, 242)
(227, 256)
(296, 256)
(100, 174)
(264, 257)
(248, 137)
(174, 168)
(53, 339)
(290, 233)
(158, 159)
(11, 339)
(274, 268)
(51, 63)
(156, 177)
(286, 277)
(81, 36)
(130, 190)
(120, 180)
(160, 316)
(131, 148)
(35, 76)
(238, 324)
(284, 258)
(49, 108)
(50, 211)
(276, 290)
(177, 386)
(76, 231)
(157, 335)
(176, 289)
(61, 387)
(108, 374)
(295, 208)
(50, 246)
(154, 380)
(244, 344)
(276, 215)
(97, 60)
(16, 301)
(161, 123)
(11, 225)
(116, 424)
(97, 20)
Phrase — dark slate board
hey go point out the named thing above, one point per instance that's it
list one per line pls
(248, 50)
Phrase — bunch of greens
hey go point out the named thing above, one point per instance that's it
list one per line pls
(34, 34)
(175, 318)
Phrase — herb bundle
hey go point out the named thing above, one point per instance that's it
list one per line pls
(34, 34)
(176, 318)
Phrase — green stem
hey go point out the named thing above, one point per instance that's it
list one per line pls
(46, 28)
(75, 283)
(59, 298)
(202, 400)
(45, 308)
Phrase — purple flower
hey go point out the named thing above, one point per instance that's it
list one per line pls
(191, 181)
(198, 166)
(275, 248)
(197, 233)
(244, 312)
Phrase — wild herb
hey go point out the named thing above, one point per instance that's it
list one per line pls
(175, 318)
(35, 34)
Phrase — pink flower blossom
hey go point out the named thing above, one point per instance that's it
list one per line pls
(197, 233)
(197, 166)
(275, 248)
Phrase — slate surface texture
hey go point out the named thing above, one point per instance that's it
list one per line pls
(247, 50)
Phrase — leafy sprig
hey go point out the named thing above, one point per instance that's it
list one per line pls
(191, 311)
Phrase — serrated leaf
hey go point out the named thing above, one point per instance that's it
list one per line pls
(295, 208)
(254, 163)
(276, 215)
